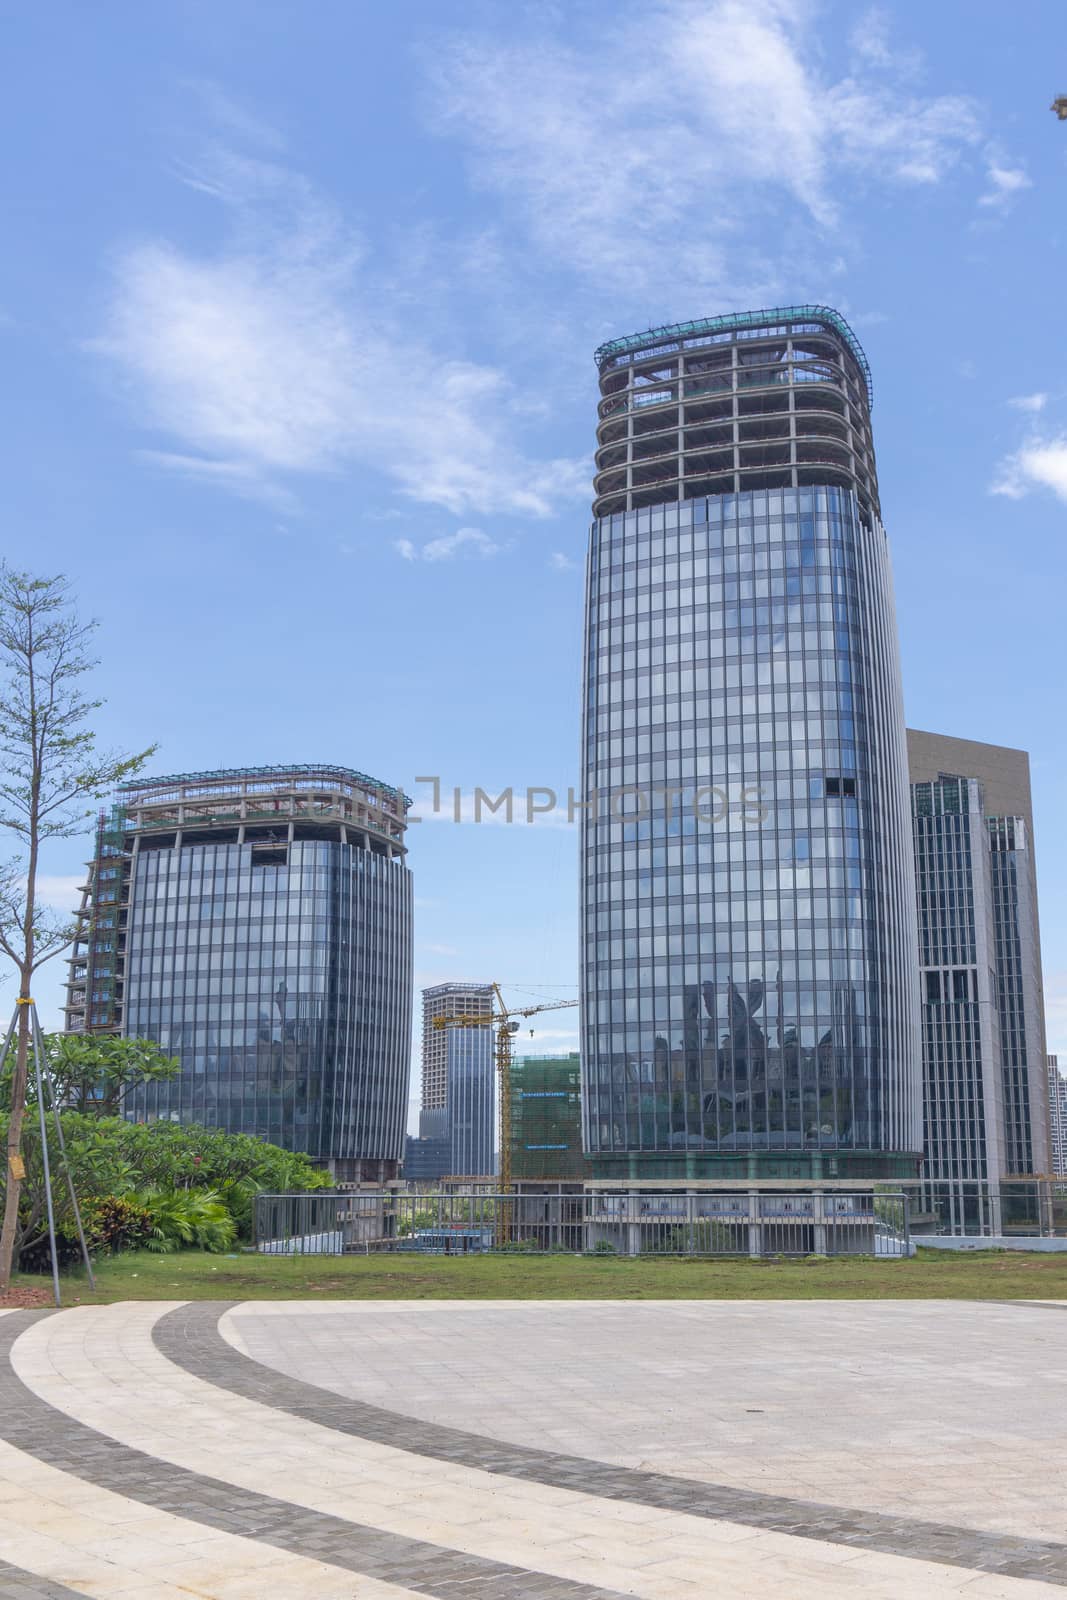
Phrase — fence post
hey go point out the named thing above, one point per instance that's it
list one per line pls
(818, 1218)
(755, 1226)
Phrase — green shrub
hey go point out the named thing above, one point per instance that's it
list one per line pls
(113, 1161)
(113, 1223)
(180, 1217)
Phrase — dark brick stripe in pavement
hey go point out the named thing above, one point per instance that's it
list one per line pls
(189, 1336)
(31, 1424)
(16, 1584)
(1031, 1305)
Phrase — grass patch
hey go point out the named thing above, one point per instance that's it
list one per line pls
(930, 1275)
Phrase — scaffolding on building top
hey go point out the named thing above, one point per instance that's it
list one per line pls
(741, 319)
(243, 774)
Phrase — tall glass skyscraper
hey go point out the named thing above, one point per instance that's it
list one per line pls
(750, 997)
(257, 923)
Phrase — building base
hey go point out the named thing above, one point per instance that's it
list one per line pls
(680, 1166)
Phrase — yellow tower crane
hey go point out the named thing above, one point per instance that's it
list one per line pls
(506, 1021)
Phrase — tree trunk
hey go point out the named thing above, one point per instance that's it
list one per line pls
(13, 1188)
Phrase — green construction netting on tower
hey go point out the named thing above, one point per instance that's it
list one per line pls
(546, 1118)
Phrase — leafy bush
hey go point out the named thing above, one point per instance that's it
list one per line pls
(113, 1223)
(180, 1217)
(113, 1160)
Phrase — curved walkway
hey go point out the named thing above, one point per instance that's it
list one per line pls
(145, 1452)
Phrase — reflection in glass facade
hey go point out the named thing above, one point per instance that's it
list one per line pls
(749, 984)
(265, 940)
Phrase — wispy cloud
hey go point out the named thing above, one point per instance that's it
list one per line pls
(1039, 464)
(231, 117)
(465, 541)
(561, 563)
(283, 354)
(1029, 402)
(684, 123)
(1006, 181)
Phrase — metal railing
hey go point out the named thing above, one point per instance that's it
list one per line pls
(977, 1208)
(624, 1223)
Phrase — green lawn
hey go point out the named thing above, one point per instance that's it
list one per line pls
(932, 1274)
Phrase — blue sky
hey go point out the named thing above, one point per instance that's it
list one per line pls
(298, 311)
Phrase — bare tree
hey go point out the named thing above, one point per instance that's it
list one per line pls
(1059, 106)
(50, 771)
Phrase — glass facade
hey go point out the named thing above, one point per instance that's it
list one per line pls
(283, 987)
(748, 921)
(963, 1117)
(471, 1101)
(1013, 894)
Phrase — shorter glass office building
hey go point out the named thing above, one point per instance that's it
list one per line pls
(471, 1101)
(258, 927)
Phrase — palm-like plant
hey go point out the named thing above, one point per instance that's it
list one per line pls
(180, 1217)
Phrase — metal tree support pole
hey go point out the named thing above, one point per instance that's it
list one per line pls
(39, 1045)
(7, 1039)
(44, 1154)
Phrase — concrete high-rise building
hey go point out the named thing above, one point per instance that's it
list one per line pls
(1057, 1100)
(980, 954)
(256, 922)
(750, 1002)
(447, 1000)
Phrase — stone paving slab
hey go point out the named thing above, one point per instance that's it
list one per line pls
(149, 1456)
(16, 1584)
(102, 1368)
(418, 1567)
(934, 1411)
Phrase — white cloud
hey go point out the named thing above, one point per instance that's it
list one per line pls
(561, 563)
(282, 355)
(1039, 464)
(689, 118)
(60, 892)
(472, 541)
(1029, 402)
(1005, 180)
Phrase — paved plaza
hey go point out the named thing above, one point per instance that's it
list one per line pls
(543, 1450)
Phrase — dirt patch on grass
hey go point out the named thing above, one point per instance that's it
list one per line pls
(26, 1299)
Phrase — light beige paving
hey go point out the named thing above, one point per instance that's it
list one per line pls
(942, 1410)
(100, 1367)
(661, 1385)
